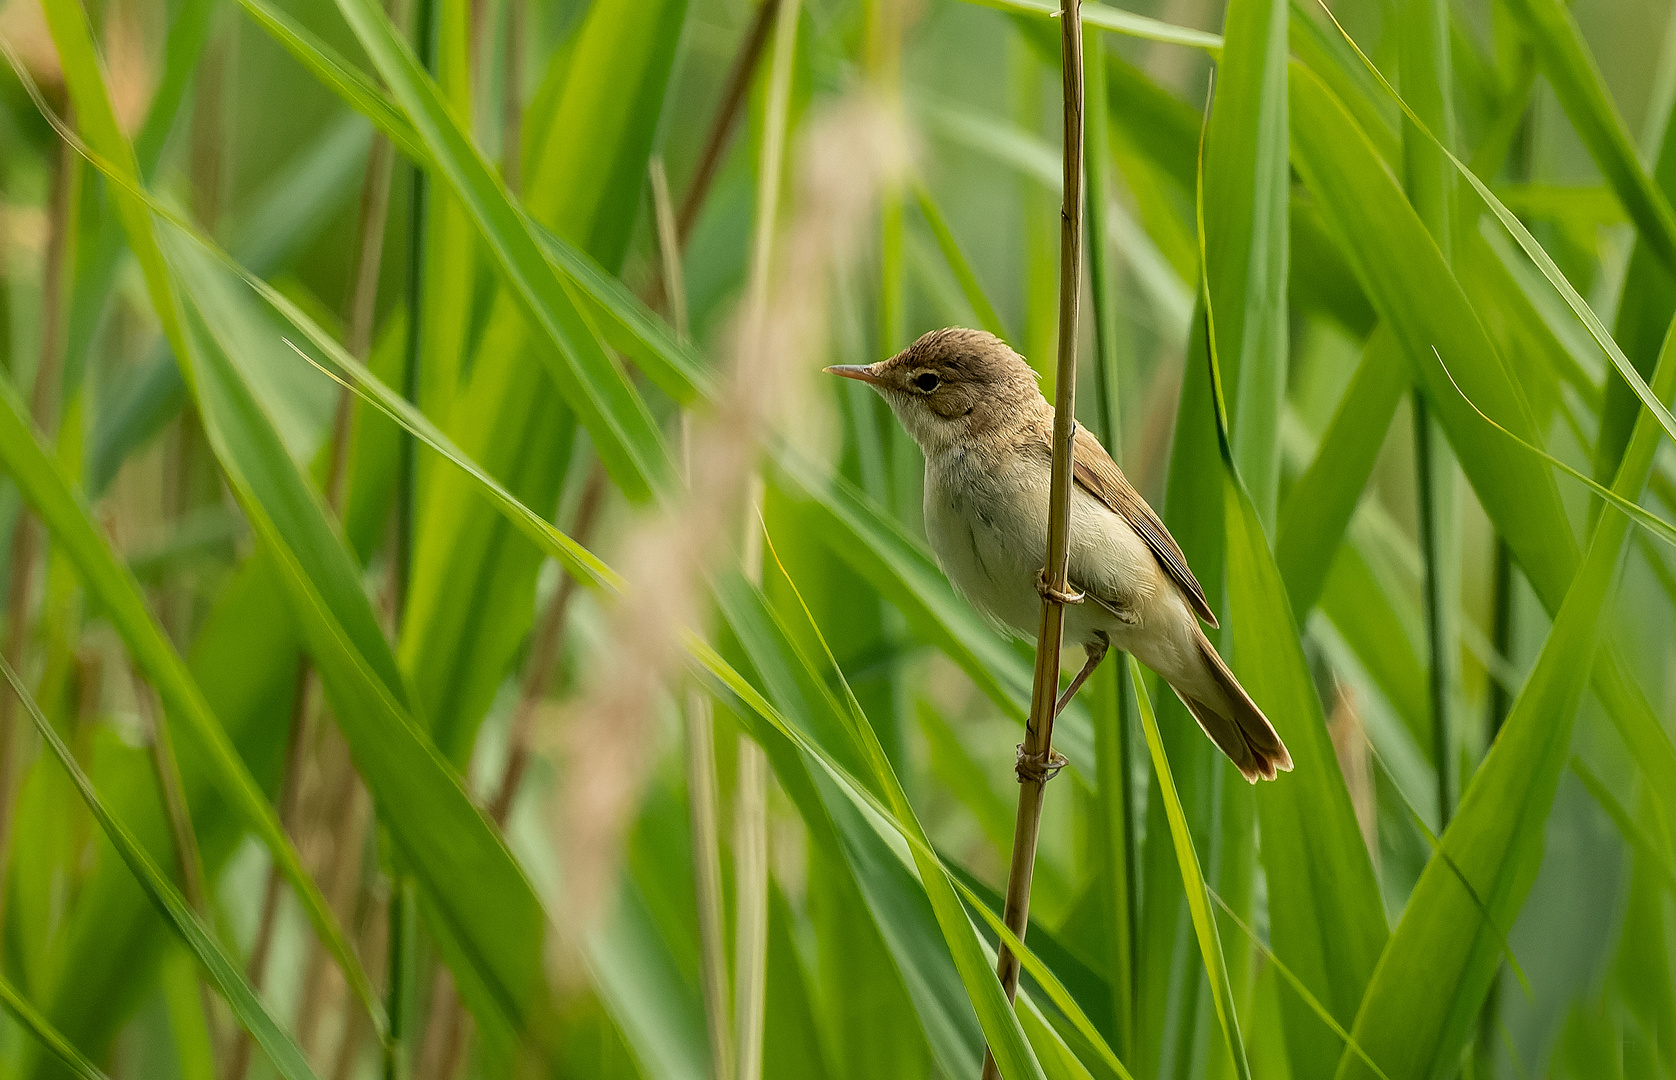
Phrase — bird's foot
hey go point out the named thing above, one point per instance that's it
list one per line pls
(1048, 592)
(1038, 768)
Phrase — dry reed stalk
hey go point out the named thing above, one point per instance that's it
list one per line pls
(698, 741)
(750, 804)
(512, 100)
(42, 399)
(1038, 733)
(1350, 746)
(348, 809)
(193, 881)
(848, 155)
(727, 113)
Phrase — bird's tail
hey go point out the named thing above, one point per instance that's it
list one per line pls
(1235, 724)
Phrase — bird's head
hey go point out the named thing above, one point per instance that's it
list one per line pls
(952, 386)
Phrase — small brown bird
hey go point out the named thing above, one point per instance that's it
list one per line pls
(974, 407)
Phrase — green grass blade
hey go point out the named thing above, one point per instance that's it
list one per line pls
(955, 951)
(341, 77)
(587, 141)
(455, 853)
(628, 324)
(1298, 987)
(926, 857)
(108, 578)
(1325, 910)
(1198, 896)
(1425, 996)
(627, 439)
(1319, 504)
(1647, 851)
(1582, 92)
(621, 318)
(1644, 307)
(49, 1036)
(1245, 199)
(223, 969)
(893, 808)
(1414, 292)
(468, 872)
(1545, 263)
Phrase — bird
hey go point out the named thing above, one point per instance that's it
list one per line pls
(977, 412)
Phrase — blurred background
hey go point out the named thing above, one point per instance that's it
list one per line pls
(527, 826)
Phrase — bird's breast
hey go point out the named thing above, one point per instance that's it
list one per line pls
(987, 523)
(986, 517)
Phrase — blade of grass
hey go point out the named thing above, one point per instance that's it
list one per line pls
(174, 909)
(49, 1036)
(1244, 241)
(1544, 262)
(621, 318)
(1319, 505)
(1315, 861)
(1496, 838)
(1414, 292)
(107, 578)
(608, 405)
(1298, 986)
(1577, 82)
(1198, 895)
(964, 962)
(1423, 53)
(351, 653)
(894, 807)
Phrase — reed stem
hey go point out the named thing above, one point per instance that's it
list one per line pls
(54, 282)
(1038, 733)
(750, 806)
(698, 741)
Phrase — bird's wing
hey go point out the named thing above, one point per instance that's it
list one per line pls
(1097, 474)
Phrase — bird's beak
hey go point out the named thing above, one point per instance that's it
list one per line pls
(859, 372)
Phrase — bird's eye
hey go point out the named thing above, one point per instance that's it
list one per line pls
(926, 382)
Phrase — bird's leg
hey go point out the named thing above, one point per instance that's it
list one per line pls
(1044, 767)
(1096, 651)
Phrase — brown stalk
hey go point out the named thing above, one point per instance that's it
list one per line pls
(512, 100)
(1038, 734)
(179, 813)
(41, 399)
(348, 809)
(370, 924)
(727, 112)
(698, 741)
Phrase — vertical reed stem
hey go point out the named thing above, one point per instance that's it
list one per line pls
(1038, 734)
(750, 808)
(698, 730)
(42, 410)
(733, 99)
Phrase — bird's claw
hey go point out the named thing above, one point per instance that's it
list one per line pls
(1048, 592)
(1038, 768)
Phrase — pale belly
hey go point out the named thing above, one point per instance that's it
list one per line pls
(988, 529)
